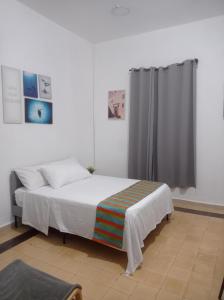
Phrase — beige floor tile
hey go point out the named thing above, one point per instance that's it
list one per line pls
(6, 258)
(188, 252)
(184, 262)
(10, 232)
(209, 248)
(218, 270)
(179, 235)
(167, 296)
(91, 289)
(203, 269)
(193, 238)
(43, 266)
(196, 292)
(74, 266)
(191, 247)
(3, 264)
(99, 275)
(203, 281)
(220, 256)
(111, 266)
(124, 284)
(169, 250)
(214, 294)
(220, 260)
(152, 249)
(160, 264)
(208, 259)
(7, 236)
(39, 242)
(216, 285)
(72, 252)
(143, 292)
(213, 236)
(212, 297)
(154, 280)
(141, 274)
(182, 256)
(149, 256)
(115, 295)
(66, 276)
(174, 286)
(179, 273)
(175, 243)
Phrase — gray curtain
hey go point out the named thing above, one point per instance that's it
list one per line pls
(162, 124)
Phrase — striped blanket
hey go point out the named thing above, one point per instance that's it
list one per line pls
(110, 213)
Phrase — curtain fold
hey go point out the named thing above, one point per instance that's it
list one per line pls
(162, 124)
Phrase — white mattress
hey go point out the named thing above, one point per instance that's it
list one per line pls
(72, 209)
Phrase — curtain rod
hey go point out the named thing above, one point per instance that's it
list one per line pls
(147, 69)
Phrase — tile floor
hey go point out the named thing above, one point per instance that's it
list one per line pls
(183, 259)
(10, 232)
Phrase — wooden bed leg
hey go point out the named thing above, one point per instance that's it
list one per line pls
(76, 295)
(16, 222)
(64, 238)
(167, 217)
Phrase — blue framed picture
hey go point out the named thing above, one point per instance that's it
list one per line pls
(30, 88)
(38, 112)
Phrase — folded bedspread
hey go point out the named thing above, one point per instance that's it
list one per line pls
(110, 213)
(21, 282)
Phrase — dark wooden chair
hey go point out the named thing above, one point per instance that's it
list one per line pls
(221, 290)
(21, 281)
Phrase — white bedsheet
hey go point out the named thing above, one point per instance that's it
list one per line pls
(72, 209)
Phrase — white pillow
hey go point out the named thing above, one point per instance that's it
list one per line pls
(63, 172)
(31, 177)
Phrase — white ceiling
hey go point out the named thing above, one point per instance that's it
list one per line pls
(92, 19)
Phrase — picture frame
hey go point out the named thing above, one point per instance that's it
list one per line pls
(38, 111)
(30, 88)
(116, 105)
(45, 89)
(11, 95)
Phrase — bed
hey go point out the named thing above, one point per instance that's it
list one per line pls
(72, 209)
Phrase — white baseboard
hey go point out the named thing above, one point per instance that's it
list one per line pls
(199, 202)
(6, 224)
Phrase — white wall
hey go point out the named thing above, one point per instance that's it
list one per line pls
(31, 42)
(203, 40)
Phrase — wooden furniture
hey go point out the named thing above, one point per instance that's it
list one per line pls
(221, 293)
(76, 295)
(21, 281)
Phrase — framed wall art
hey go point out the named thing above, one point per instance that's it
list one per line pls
(30, 88)
(11, 95)
(116, 105)
(38, 112)
(45, 91)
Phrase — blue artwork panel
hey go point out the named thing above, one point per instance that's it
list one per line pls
(30, 85)
(39, 112)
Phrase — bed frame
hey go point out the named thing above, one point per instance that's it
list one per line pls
(14, 184)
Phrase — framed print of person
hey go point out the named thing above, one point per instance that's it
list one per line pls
(116, 104)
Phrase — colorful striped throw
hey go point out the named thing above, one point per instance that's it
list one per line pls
(110, 213)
